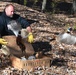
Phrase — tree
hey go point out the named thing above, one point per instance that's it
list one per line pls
(43, 5)
(74, 7)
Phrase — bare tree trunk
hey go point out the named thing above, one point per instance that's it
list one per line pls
(74, 7)
(43, 5)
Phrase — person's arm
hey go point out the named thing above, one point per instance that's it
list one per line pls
(27, 26)
(29, 29)
(2, 41)
(30, 36)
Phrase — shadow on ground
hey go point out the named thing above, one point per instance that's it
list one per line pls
(58, 62)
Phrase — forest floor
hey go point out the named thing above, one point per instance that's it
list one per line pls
(45, 27)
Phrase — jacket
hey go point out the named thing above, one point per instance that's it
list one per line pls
(4, 20)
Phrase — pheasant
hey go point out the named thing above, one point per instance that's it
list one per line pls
(66, 38)
(14, 26)
(20, 43)
(19, 32)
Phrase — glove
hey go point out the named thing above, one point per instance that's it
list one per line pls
(30, 37)
(2, 41)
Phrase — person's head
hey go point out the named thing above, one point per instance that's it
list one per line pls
(9, 10)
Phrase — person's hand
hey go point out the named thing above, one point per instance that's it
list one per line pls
(30, 37)
(2, 41)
